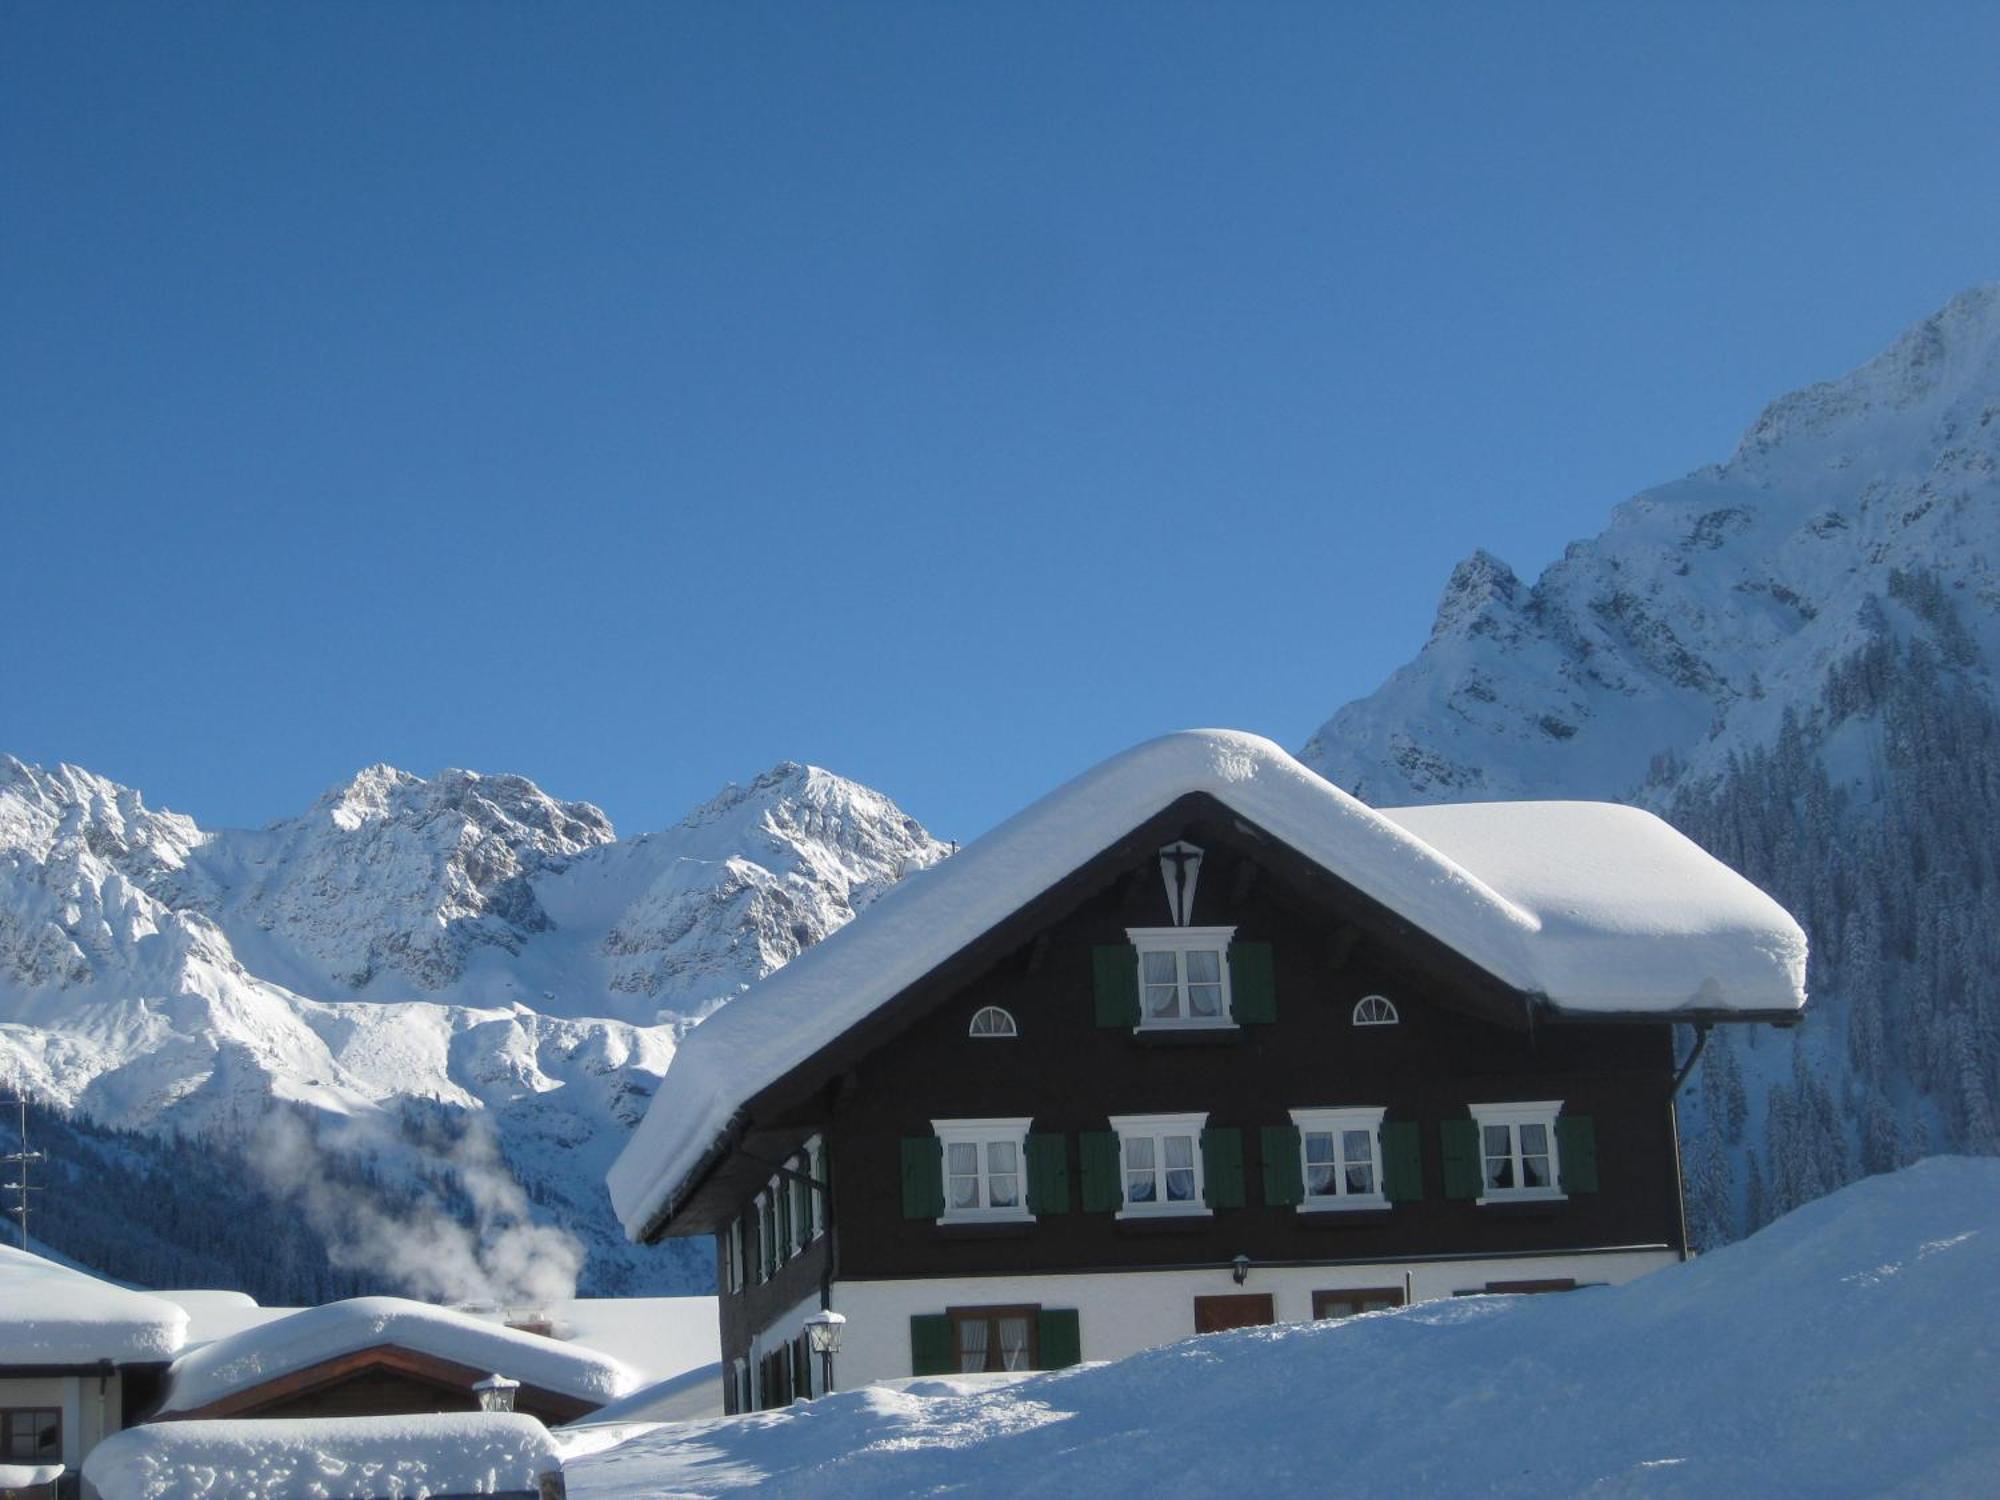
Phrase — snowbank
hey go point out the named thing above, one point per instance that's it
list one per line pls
(51, 1315)
(316, 1334)
(1851, 1349)
(325, 1458)
(1598, 909)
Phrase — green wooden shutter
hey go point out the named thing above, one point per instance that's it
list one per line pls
(1284, 1168)
(1222, 1167)
(782, 1196)
(1402, 1161)
(1060, 1338)
(1097, 1153)
(1576, 1151)
(1253, 989)
(1115, 968)
(1460, 1140)
(932, 1348)
(923, 1177)
(1048, 1174)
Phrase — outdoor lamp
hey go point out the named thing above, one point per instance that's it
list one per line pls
(1240, 1269)
(496, 1392)
(823, 1331)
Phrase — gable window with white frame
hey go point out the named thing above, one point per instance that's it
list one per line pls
(1340, 1152)
(1160, 1161)
(985, 1176)
(1518, 1157)
(993, 1021)
(1375, 1010)
(1183, 976)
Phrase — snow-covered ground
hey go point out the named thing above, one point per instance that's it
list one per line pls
(1853, 1348)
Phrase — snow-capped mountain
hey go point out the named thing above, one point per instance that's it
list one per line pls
(1789, 653)
(465, 942)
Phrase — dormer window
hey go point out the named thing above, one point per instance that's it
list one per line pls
(1375, 1010)
(1183, 976)
(991, 1020)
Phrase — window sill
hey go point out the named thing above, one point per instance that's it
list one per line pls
(1187, 1036)
(1334, 1208)
(1543, 1200)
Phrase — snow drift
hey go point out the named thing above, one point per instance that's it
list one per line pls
(1853, 1348)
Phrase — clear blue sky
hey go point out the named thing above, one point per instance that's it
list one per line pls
(634, 396)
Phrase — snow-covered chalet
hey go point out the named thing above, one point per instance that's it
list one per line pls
(1195, 1042)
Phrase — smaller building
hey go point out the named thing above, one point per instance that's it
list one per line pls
(387, 1356)
(79, 1359)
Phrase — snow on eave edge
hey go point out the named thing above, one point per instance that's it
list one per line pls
(792, 1014)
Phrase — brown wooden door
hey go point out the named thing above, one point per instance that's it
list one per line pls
(1241, 1310)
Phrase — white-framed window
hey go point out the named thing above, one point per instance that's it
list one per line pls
(991, 1020)
(1518, 1160)
(1340, 1151)
(816, 1197)
(985, 1170)
(1375, 1010)
(1159, 1159)
(767, 1238)
(1183, 976)
(732, 1256)
(739, 1372)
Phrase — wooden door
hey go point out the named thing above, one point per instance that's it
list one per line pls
(1240, 1310)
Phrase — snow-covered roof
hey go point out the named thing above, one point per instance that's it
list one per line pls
(658, 1337)
(325, 1458)
(52, 1315)
(314, 1335)
(1595, 909)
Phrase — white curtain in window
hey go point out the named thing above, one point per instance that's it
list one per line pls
(1014, 1343)
(971, 1345)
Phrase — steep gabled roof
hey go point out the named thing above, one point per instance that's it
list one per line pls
(1591, 909)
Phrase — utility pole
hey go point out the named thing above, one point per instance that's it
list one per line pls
(19, 1161)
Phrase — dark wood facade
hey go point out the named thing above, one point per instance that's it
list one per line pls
(1462, 1038)
(384, 1381)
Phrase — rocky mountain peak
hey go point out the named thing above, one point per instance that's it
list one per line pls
(1481, 592)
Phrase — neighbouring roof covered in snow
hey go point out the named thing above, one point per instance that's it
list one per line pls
(1591, 908)
(314, 1335)
(658, 1337)
(325, 1458)
(52, 1315)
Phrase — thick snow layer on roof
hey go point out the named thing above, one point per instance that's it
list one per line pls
(679, 1398)
(1846, 1350)
(217, 1314)
(325, 1458)
(1677, 931)
(1630, 914)
(315, 1334)
(21, 1476)
(51, 1315)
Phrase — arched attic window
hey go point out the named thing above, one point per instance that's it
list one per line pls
(1375, 1010)
(991, 1020)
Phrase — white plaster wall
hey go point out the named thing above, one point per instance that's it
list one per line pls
(782, 1329)
(1121, 1313)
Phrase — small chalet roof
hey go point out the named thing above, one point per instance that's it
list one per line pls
(1590, 909)
(52, 1315)
(325, 1458)
(313, 1335)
